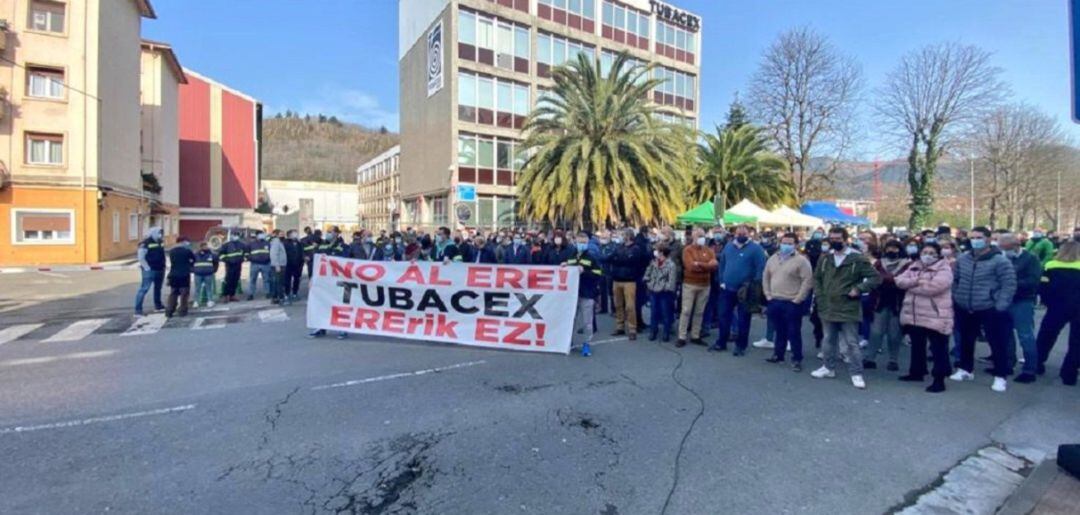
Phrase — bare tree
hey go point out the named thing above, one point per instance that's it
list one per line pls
(934, 94)
(804, 94)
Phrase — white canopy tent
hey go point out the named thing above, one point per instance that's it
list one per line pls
(764, 216)
(794, 218)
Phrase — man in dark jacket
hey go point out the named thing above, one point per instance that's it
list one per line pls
(813, 250)
(181, 259)
(741, 265)
(983, 290)
(625, 260)
(517, 253)
(606, 248)
(588, 288)
(258, 256)
(645, 245)
(480, 251)
(310, 243)
(560, 251)
(205, 268)
(151, 256)
(445, 249)
(1028, 269)
(232, 254)
(294, 265)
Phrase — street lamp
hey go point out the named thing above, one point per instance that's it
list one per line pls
(971, 222)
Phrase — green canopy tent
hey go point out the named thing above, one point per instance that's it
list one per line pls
(706, 214)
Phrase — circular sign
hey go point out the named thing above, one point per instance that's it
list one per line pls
(464, 212)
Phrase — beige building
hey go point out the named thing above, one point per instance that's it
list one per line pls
(161, 77)
(472, 70)
(70, 187)
(378, 179)
(319, 205)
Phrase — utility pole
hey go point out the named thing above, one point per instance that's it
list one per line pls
(971, 222)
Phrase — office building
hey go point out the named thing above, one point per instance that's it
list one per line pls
(472, 70)
(378, 179)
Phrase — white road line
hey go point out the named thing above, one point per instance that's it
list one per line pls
(9, 334)
(273, 315)
(399, 376)
(95, 420)
(610, 340)
(78, 330)
(148, 324)
(202, 323)
(50, 359)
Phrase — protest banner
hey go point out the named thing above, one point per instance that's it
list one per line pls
(517, 307)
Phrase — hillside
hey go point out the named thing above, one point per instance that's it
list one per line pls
(317, 148)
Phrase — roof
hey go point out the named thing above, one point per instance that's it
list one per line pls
(170, 58)
(145, 9)
(245, 96)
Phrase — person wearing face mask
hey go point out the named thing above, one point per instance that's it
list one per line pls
(1062, 308)
(840, 280)
(559, 251)
(445, 250)
(699, 262)
(232, 254)
(181, 259)
(332, 245)
(258, 257)
(911, 249)
(588, 287)
(787, 282)
(518, 252)
(927, 314)
(1040, 246)
(294, 266)
(661, 281)
(1029, 271)
(309, 243)
(814, 248)
(624, 261)
(151, 255)
(205, 267)
(278, 259)
(983, 290)
(605, 247)
(885, 327)
(740, 269)
(480, 252)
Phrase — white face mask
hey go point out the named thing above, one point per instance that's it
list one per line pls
(657, 253)
(928, 259)
(700, 240)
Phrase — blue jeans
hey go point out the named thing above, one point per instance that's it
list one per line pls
(204, 288)
(663, 312)
(786, 317)
(253, 276)
(150, 278)
(712, 308)
(1023, 319)
(729, 307)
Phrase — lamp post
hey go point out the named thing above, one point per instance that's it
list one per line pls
(971, 222)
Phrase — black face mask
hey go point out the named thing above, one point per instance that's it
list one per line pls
(836, 245)
(892, 254)
(742, 239)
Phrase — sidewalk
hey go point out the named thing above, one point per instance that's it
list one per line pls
(128, 263)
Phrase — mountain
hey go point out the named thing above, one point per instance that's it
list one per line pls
(318, 148)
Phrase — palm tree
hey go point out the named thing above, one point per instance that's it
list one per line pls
(599, 156)
(735, 164)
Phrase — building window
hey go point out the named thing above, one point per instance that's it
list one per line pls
(44, 82)
(115, 226)
(491, 101)
(677, 88)
(553, 51)
(485, 216)
(43, 226)
(438, 210)
(44, 149)
(493, 41)
(578, 14)
(489, 160)
(467, 97)
(676, 43)
(504, 211)
(133, 226)
(46, 16)
(625, 25)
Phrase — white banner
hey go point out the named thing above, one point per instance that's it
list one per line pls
(529, 308)
(435, 59)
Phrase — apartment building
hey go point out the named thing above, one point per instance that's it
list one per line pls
(472, 70)
(379, 205)
(159, 145)
(71, 189)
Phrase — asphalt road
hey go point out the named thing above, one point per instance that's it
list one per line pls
(244, 414)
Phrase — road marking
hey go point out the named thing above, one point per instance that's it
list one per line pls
(50, 359)
(273, 315)
(95, 420)
(148, 324)
(17, 331)
(78, 330)
(610, 340)
(399, 375)
(202, 323)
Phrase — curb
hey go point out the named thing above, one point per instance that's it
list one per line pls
(70, 268)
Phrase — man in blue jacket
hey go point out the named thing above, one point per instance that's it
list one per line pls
(518, 252)
(588, 288)
(742, 263)
(1028, 269)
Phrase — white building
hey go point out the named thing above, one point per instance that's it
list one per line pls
(318, 205)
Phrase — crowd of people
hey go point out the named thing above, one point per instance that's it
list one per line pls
(864, 293)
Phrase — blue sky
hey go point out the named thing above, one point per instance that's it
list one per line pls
(340, 56)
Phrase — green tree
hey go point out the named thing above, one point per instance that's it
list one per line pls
(736, 164)
(736, 116)
(599, 155)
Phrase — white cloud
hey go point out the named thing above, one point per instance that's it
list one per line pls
(351, 105)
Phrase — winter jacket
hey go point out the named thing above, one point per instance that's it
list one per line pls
(278, 256)
(258, 252)
(181, 258)
(624, 261)
(788, 279)
(1028, 274)
(1062, 287)
(591, 275)
(232, 253)
(740, 266)
(206, 263)
(485, 254)
(928, 300)
(517, 255)
(661, 277)
(294, 252)
(833, 283)
(559, 254)
(983, 282)
(1042, 248)
(702, 256)
(889, 296)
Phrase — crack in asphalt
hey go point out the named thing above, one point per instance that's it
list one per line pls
(272, 416)
(690, 429)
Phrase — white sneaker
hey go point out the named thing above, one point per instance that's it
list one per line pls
(999, 384)
(863, 344)
(762, 344)
(195, 305)
(822, 373)
(858, 382)
(210, 304)
(962, 375)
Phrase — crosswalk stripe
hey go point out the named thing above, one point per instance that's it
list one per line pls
(209, 323)
(15, 332)
(148, 324)
(273, 315)
(77, 330)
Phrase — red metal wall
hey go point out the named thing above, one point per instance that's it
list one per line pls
(194, 116)
(196, 229)
(238, 152)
